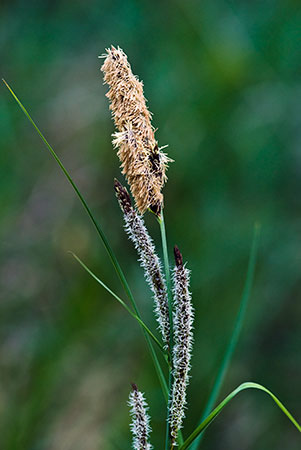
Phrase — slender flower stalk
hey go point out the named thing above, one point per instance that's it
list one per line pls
(182, 328)
(149, 260)
(143, 163)
(140, 420)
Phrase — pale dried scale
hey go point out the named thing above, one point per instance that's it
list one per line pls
(143, 163)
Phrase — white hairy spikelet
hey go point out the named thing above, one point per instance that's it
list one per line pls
(137, 232)
(140, 426)
(183, 339)
(149, 260)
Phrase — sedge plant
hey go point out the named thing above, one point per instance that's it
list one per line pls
(144, 166)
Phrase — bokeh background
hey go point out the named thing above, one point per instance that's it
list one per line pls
(221, 78)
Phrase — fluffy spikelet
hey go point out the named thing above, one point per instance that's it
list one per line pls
(138, 234)
(143, 163)
(140, 420)
(182, 320)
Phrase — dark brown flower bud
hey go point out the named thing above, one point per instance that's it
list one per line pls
(134, 386)
(123, 196)
(178, 257)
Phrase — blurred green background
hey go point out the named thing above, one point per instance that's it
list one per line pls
(221, 78)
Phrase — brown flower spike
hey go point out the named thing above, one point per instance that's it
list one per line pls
(142, 161)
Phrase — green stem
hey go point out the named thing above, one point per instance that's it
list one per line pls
(166, 263)
(102, 237)
(168, 283)
(167, 277)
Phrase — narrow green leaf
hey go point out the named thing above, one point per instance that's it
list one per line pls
(122, 303)
(103, 239)
(235, 334)
(80, 196)
(218, 409)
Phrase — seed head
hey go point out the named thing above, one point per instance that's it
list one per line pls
(143, 163)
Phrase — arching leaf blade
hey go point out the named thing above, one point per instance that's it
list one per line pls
(126, 307)
(103, 238)
(220, 407)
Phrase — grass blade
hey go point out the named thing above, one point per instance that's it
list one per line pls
(218, 409)
(235, 334)
(122, 303)
(102, 237)
(80, 196)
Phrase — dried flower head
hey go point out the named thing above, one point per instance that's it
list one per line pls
(182, 320)
(150, 262)
(140, 420)
(143, 163)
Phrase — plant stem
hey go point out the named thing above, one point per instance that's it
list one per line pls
(170, 308)
(167, 277)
